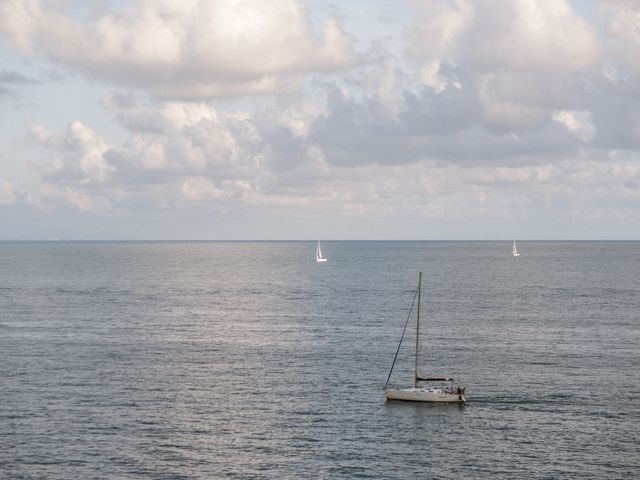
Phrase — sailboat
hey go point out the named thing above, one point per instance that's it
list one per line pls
(420, 392)
(515, 250)
(319, 257)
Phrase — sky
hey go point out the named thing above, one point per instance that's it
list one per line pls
(291, 119)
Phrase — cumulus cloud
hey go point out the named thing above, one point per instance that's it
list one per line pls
(183, 48)
(515, 35)
(452, 125)
(197, 154)
(184, 138)
(79, 155)
(497, 111)
(524, 58)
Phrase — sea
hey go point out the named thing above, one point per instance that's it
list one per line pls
(250, 360)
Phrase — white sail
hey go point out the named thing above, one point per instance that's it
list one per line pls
(515, 250)
(319, 257)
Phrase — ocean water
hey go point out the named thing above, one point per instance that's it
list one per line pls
(250, 360)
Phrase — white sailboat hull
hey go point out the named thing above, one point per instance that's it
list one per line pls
(321, 259)
(423, 395)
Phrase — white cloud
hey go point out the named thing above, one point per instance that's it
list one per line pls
(443, 24)
(578, 123)
(65, 197)
(183, 48)
(90, 149)
(523, 58)
(198, 188)
(150, 152)
(42, 136)
(512, 34)
(298, 119)
(182, 115)
(622, 32)
(515, 111)
(503, 108)
(19, 20)
(429, 74)
(7, 194)
(79, 155)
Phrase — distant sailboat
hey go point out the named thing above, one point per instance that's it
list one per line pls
(515, 250)
(319, 257)
(420, 392)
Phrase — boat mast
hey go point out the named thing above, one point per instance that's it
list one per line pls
(415, 379)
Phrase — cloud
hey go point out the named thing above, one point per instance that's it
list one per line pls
(7, 194)
(199, 188)
(185, 138)
(350, 157)
(519, 111)
(524, 58)
(188, 49)
(79, 155)
(65, 197)
(509, 34)
(15, 77)
(6, 92)
(579, 124)
(14, 196)
(622, 35)
(457, 125)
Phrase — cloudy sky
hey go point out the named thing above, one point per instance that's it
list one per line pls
(293, 119)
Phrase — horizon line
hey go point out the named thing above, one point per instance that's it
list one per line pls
(283, 240)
